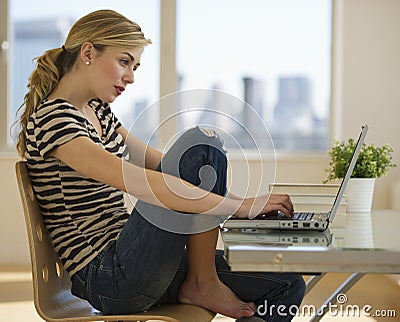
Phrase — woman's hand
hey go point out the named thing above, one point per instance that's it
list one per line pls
(271, 203)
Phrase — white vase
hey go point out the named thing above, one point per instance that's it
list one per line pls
(359, 194)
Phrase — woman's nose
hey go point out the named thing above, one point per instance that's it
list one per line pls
(129, 77)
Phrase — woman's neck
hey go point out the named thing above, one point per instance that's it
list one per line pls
(71, 88)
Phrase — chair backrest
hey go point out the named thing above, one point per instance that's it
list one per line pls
(51, 283)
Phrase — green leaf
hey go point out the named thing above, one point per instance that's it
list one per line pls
(373, 162)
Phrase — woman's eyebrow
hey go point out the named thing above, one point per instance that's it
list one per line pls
(131, 57)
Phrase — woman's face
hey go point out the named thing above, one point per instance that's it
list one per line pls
(112, 70)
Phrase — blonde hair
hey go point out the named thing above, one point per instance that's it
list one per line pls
(102, 28)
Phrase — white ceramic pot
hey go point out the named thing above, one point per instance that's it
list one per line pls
(359, 194)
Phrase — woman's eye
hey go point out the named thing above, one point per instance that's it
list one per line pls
(125, 62)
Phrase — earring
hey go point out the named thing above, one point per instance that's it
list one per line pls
(87, 63)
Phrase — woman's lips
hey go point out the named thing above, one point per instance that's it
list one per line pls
(119, 89)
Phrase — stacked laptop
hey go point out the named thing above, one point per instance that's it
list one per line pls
(305, 221)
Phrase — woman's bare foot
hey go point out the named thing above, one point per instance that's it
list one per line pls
(215, 296)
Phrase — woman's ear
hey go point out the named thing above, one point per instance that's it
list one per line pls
(86, 55)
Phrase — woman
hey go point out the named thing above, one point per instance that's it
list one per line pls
(81, 159)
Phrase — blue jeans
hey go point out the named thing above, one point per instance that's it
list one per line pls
(146, 265)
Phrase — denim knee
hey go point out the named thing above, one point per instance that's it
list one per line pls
(192, 150)
(198, 136)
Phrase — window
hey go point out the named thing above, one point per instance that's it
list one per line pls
(267, 60)
(41, 25)
(272, 54)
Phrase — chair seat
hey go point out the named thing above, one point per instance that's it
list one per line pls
(52, 286)
(72, 308)
(80, 310)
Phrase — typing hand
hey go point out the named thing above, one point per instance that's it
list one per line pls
(265, 204)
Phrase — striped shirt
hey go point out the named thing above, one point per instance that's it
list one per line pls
(81, 214)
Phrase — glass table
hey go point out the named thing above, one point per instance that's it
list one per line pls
(370, 243)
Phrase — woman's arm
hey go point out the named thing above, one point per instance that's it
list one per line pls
(233, 196)
(151, 186)
(140, 153)
(158, 188)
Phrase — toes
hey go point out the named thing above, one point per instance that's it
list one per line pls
(248, 311)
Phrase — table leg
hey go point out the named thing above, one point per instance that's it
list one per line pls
(342, 289)
(312, 281)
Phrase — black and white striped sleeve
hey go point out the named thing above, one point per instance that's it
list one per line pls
(58, 126)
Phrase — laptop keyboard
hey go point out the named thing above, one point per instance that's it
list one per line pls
(303, 215)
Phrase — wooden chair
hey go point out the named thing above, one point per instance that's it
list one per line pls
(51, 284)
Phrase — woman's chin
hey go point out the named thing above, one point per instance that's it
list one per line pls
(108, 99)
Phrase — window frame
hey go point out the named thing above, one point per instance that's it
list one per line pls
(5, 62)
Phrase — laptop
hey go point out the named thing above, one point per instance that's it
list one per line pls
(302, 220)
(277, 237)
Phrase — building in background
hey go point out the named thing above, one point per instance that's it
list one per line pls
(295, 124)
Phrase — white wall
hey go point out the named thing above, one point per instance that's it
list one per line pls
(366, 81)
(366, 75)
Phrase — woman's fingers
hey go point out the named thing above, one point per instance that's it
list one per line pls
(267, 204)
(281, 203)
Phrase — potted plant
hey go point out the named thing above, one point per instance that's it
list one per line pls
(373, 162)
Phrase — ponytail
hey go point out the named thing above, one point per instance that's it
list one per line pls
(50, 67)
(42, 82)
